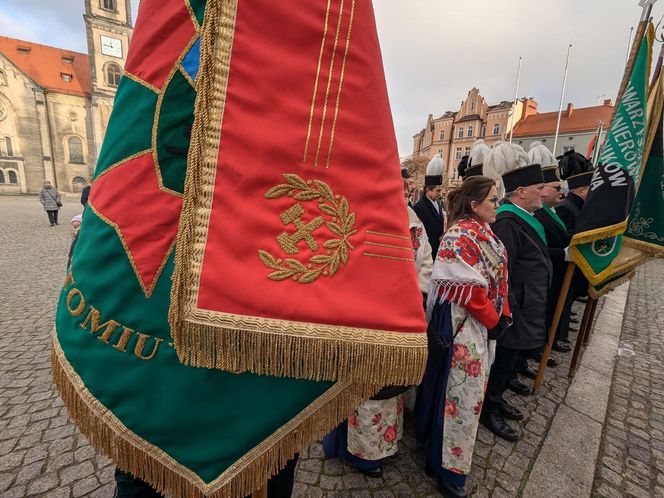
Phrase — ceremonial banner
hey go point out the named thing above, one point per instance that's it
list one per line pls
(190, 432)
(599, 229)
(644, 235)
(293, 255)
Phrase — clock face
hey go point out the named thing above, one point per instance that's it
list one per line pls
(111, 46)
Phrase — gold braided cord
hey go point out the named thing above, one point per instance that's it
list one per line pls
(148, 462)
(211, 83)
(597, 293)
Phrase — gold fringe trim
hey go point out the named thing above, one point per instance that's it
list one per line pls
(599, 233)
(345, 355)
(318, 358)
(654, 250)
(596, 294)
(148, 462)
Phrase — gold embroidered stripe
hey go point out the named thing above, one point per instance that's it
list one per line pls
(401, 248)
(341, 82)
(383, 234)
(141, 82)
(313, 99)
(384, 256)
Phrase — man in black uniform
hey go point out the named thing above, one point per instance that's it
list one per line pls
(557, 236)
(429, 208)
(530, 274)
(578, 172)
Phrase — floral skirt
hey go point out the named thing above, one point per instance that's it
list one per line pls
(375, 427)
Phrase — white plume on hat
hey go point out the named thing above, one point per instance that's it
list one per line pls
(539, 153)
(504, 157)
(436, 166)
(479, 152)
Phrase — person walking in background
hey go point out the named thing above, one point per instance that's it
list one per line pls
(52, 202)
(468, 310)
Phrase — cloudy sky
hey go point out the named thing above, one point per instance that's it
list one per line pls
(436, 50)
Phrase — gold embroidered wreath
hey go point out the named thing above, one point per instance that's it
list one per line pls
(342, 225)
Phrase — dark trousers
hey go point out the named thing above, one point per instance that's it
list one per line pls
(128, 486)
(502, 370)
(52, 217)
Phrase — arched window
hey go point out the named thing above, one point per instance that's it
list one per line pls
(3, 78)
(75, 146)
(496, 129)
(8, 145)
(470, 131)
(113, 74)
(441, 137)
(13, 177)
(78, 183)
(460, 132)
(109, 5)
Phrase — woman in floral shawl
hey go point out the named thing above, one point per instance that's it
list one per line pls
(467, 307)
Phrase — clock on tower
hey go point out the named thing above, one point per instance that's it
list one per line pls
(111, 46)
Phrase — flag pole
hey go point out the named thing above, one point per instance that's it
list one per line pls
(560, 305)
(562, 97)
(629, 43)
(516, 93)
(583, 335)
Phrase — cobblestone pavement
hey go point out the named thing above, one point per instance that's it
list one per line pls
(42, 454)
(631, 459)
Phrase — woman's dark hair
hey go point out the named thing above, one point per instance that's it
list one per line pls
(459, 200)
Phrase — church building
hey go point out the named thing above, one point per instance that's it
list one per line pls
(55, 103)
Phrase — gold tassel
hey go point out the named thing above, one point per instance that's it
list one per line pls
(135, 455)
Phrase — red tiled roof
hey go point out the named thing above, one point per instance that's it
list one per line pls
(45, 65)
(582, 119)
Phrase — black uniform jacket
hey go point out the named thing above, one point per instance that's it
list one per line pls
(530, 274)
(557, 239)
(432, 221)
(569, 209)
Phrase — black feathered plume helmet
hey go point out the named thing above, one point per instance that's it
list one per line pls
(572, 163)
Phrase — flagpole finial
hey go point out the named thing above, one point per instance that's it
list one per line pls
(646, 5)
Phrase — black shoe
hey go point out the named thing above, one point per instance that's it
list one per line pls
(573, 320)
(530, 373)
(551, 363)
(561, 348)
(510, 412)
(573, 329)
(583, 299)
(377, 472)
(450, 490)
(518, 387)
(496, 424)
(565, 340)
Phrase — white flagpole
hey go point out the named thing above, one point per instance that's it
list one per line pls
(516, 93)
(562, 97)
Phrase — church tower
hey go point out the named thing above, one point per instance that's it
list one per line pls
(108, 26)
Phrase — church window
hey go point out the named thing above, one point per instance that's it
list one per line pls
(3, 78)
(470, 131)
(442, 135)
(66, 77)
(13, 178)
(113, 74)
(75, 146)
(496, 129)
(109, 5)
(460, 132)
(8, 147)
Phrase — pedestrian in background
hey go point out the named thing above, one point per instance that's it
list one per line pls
(52, 202)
